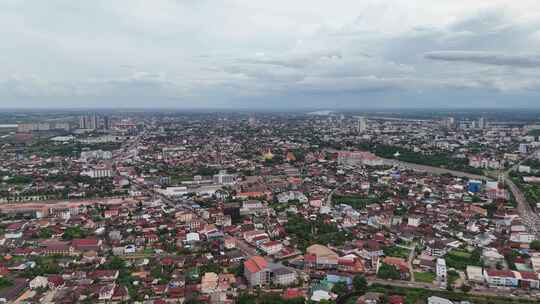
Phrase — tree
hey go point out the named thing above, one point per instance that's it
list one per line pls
(73, 233)
(388, 272)
(340, 288)
(535, 245)
(360, 283)
(115, 263)
(246, 299)
(5, 283)
(449, 286)
(238, 270)
(466, 288)
(45, 233)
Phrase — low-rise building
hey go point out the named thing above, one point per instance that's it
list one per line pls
(256, 271)
(283, 276)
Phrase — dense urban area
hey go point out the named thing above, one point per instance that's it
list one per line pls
(226, 207)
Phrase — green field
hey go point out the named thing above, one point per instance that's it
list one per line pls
(460, 254)
(396, 251)
(355, 201)
(425, 277)
(460, 259)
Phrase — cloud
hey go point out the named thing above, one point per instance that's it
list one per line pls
(255, 53)
(491, 58)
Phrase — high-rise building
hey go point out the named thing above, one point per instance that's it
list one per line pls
(481, 123)
(93, 122)
(106, 123)
(252, 121)
(362, 124)
(42, 126)
(82, 122)
(88, 122)
(449, 122)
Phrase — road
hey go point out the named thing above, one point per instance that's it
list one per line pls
(406, 284)
(529, 217)
(492, 292)
(431, 169)
(410, 262)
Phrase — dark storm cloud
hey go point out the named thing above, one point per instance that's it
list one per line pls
(522, 61)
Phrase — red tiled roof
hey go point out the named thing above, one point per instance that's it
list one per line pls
(292, 293)
(396, 300)
(271, 243)
(529, 275)
(84, 242)
(256, 264)
(15, 226)
(346, 262)
(396, 262)
(501, 273)
(56, 280)
(310, 258)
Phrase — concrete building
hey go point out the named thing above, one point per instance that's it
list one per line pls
(271, 247)
(95, 154)
(414, 220)
(441, 270)
(359, 158)
(362, 124)
(321, 256)
(522, 237)
(223, 178)
(283, 276)
(99, 171)
(38, 282)
(475, 274)
(256, 271)
(482, 123)
(89, 122)
(504, 278)
(209, 282)
(438, 300)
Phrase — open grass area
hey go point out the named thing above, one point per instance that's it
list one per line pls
(460, 254)
(148, 251)
(460, 259)
(396, 251)
(424, 277)
(355, 201)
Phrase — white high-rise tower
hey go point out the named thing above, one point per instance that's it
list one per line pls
(362, 124)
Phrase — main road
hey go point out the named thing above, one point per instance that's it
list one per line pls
(529, 217)
(431, 169)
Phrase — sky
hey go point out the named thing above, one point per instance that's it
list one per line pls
(256, 54)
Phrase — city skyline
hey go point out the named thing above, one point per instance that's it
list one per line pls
(258, 55)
